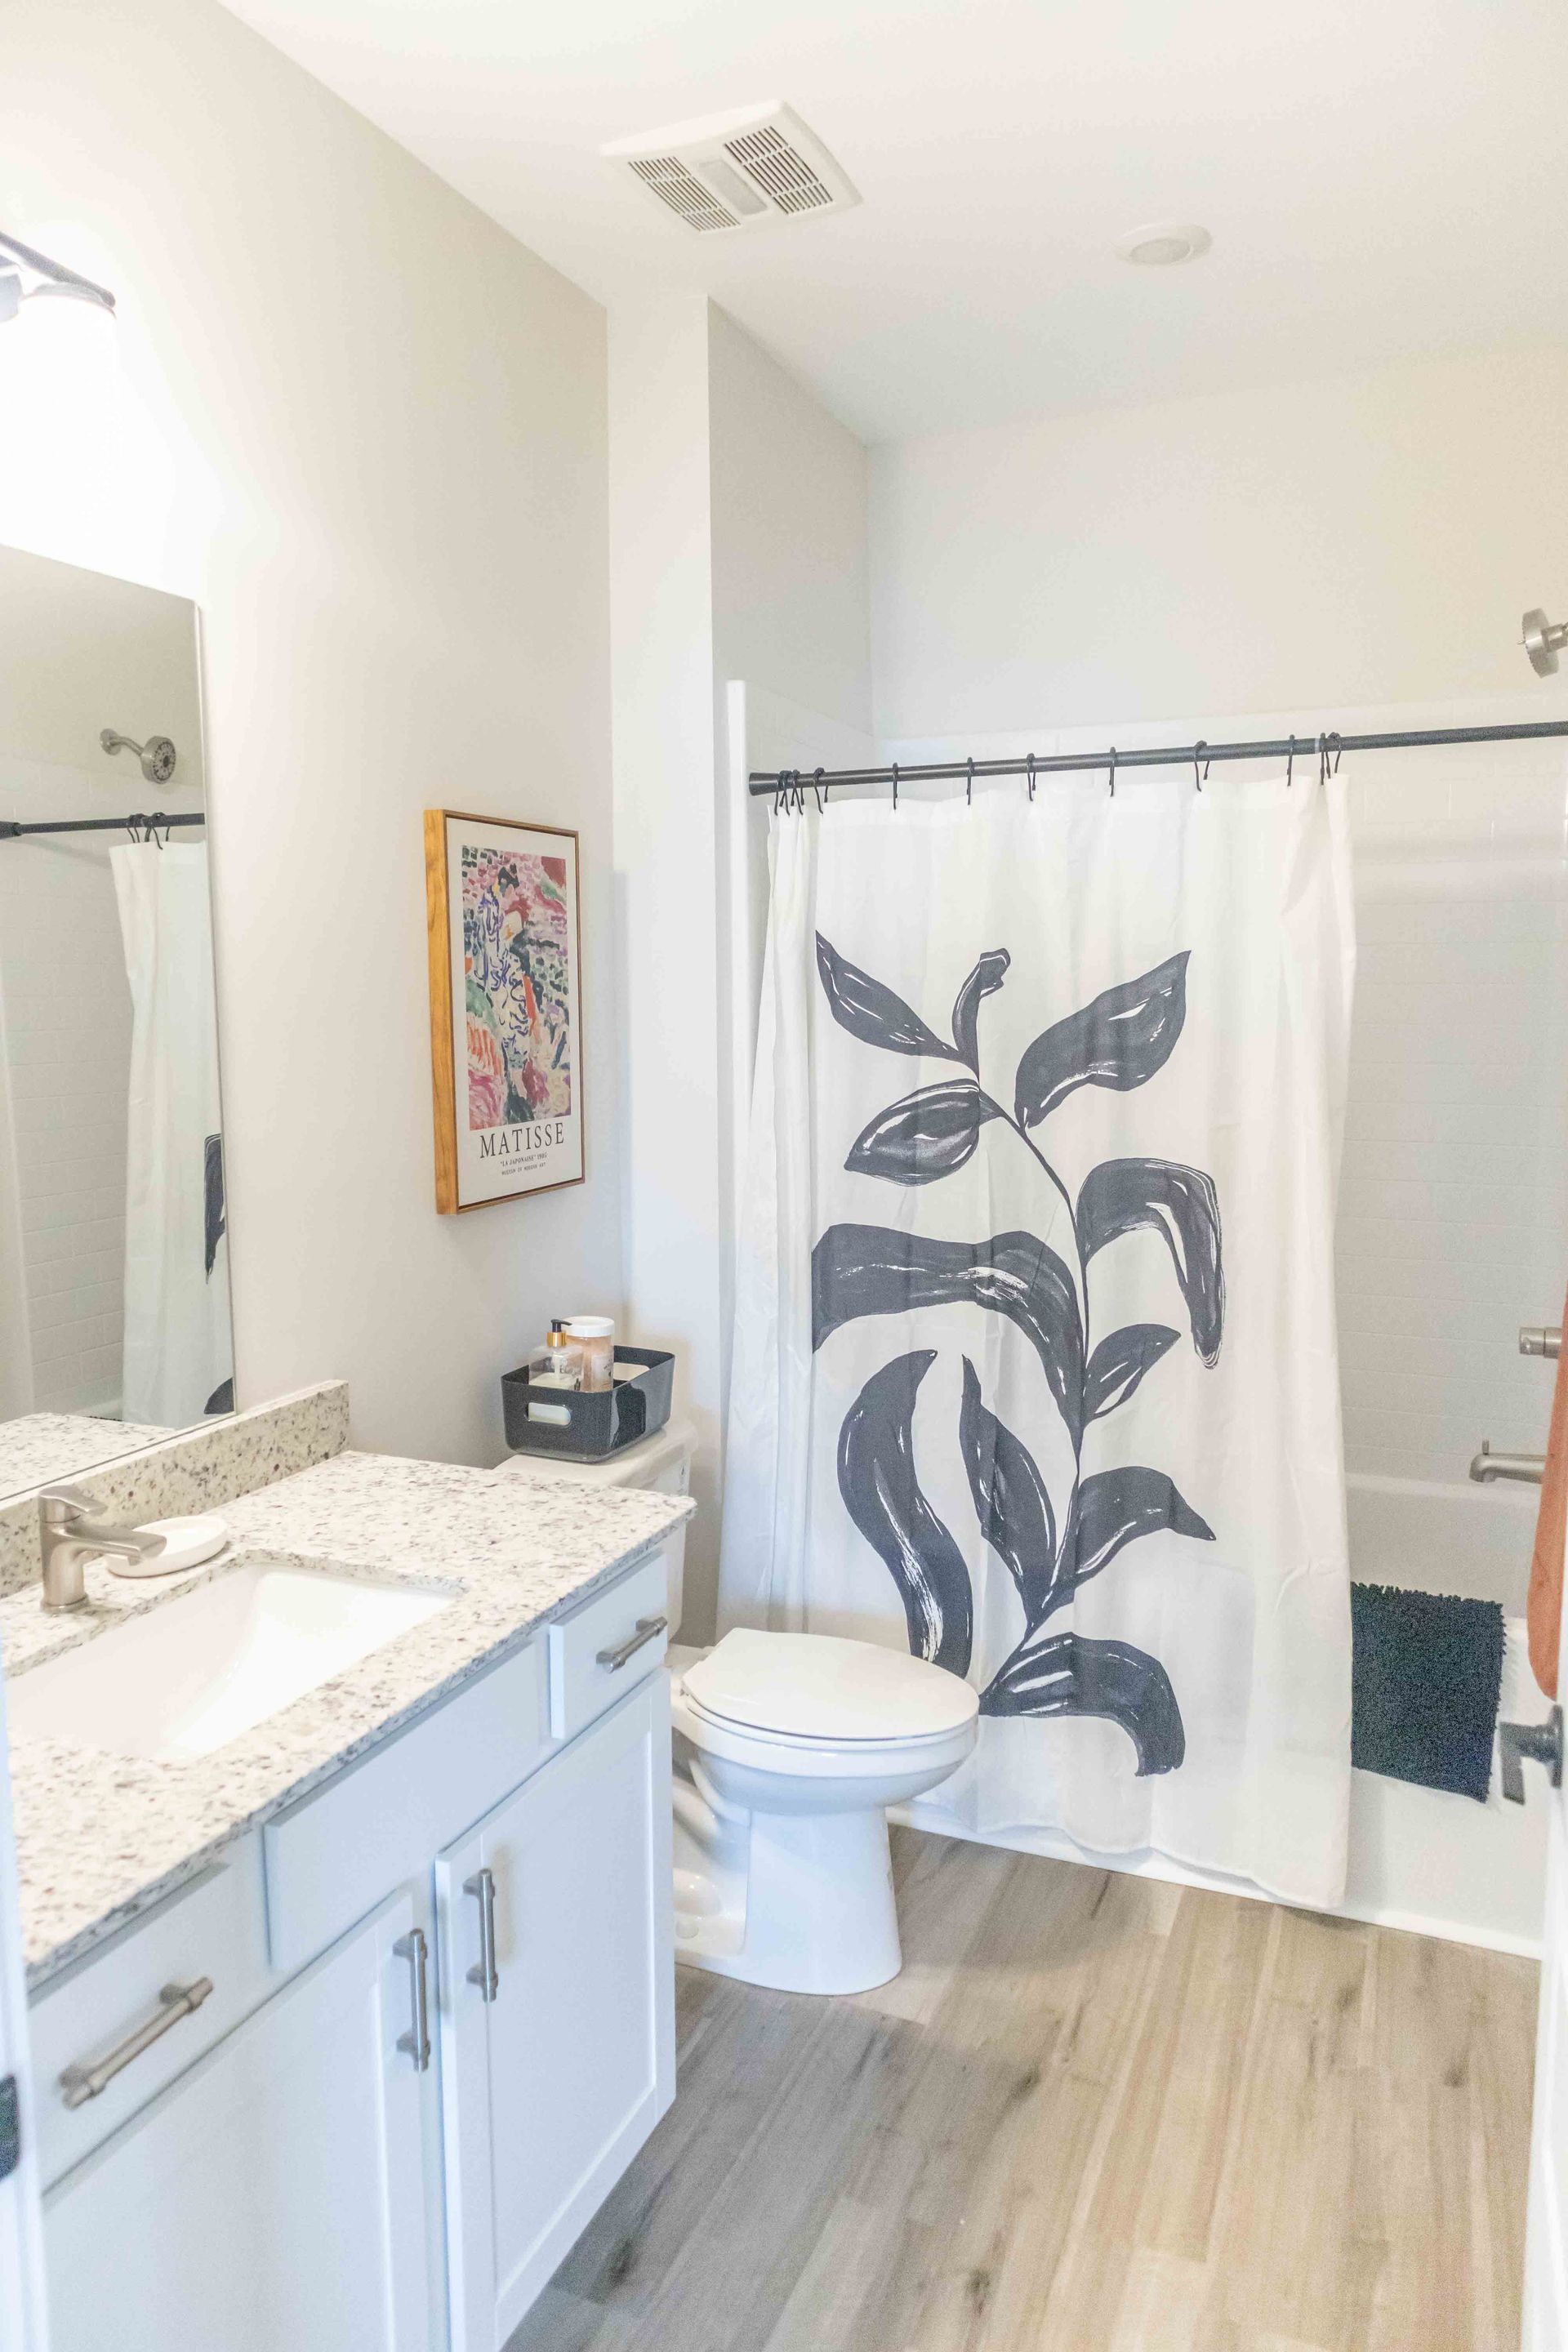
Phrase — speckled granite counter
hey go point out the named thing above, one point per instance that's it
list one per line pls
(100, 1836)
(47, 1445)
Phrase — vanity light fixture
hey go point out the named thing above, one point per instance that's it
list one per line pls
(26, 275)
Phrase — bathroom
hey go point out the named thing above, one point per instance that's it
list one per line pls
(1154, 379)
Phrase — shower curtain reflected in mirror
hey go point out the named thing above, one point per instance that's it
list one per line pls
(1035, 1364)
(178, 1341)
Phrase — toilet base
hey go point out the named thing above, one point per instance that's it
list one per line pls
(798, 1902)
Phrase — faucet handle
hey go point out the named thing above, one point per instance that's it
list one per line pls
(69, 1503)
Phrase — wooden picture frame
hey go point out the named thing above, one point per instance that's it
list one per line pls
(502, 923)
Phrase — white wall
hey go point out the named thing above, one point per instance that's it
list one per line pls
(365, 430)
(1354, 540)
(1352, 552)
(738, 552)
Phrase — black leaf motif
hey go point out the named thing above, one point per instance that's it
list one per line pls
(1011, 1500)
(983, 981)
(1112, 1508)
(1069, 1675)
(1119, 1041)
(871, 1270)
(872, 1012)
(882, 1496)
(927, 1135)
(1120, 1363)
(1183, 1205)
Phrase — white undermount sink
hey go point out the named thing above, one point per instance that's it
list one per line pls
(180, 1680)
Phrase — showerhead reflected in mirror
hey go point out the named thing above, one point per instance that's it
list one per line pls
(114, 1301)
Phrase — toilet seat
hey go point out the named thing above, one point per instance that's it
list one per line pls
(820, 1689)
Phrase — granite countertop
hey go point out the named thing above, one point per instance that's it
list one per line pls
(100, 1835)
(57, 1445)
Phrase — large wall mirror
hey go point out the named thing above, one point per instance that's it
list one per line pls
(114, 1302)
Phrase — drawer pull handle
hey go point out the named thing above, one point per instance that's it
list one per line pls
(483, 1972)
(417, 2041)
(648, 1629)
(80, 2083)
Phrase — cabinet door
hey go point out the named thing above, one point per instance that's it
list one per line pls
(272, 2199)
(552, 2083)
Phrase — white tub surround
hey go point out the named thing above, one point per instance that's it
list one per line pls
(102, 1836)
(199, 1469)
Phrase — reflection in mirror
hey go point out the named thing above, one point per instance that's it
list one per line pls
(114, 1304)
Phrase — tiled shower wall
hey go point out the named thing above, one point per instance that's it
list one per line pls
(1452, 1224)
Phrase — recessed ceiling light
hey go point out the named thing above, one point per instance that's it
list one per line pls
(1167, 242)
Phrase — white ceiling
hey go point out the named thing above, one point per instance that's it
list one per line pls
(1383, 178)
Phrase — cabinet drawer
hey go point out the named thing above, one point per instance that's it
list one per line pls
(214, 1929)
(606, 1646)
(333, 1856)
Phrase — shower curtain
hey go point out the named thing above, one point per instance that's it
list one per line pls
(179, 1348)
(1033, 1365)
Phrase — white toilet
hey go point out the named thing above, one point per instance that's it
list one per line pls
(789, 1747)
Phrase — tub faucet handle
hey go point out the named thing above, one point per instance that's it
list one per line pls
(1520, 1744)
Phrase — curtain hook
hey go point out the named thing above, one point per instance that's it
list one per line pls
(1290, 765)
(1199, 747)
(1338, 742)
(969, 784)
(1114, 771)
(152, 824)
(816, 787)
(895, 784)
(1029, 772)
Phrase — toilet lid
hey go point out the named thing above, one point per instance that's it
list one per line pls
(819, 1687)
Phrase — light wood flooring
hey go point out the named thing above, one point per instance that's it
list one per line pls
(1093, 2115)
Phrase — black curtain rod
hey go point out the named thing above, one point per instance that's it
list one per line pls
(9, 832)
(1171, 755)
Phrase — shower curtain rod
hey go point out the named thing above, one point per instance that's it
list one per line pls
(9, 832)
(1171, 755)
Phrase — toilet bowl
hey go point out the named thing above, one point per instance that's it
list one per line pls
(789, 1747)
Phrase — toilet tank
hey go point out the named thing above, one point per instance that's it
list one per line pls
(661, 1463)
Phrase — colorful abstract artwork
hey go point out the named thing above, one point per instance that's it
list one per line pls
(517, 986)
(506, 1043)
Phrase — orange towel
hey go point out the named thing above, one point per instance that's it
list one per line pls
(1545, 1609)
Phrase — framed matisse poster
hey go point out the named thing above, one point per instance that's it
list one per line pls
(506, 1034)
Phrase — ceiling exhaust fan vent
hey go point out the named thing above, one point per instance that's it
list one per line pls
(735, 170)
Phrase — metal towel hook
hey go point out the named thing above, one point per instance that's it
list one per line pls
(157, 754)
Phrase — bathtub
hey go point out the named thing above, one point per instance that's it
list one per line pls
(1418, 1858)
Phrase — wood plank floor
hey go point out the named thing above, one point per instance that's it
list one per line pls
(1093, 2115)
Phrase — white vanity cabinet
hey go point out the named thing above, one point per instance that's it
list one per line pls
(274, 2195)
(557, 2008)
(294, 2161)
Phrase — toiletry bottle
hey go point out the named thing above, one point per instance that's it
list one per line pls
(563, 1361)
(595, 1336)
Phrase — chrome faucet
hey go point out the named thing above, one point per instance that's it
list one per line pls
(69, 1536)
(1527, 1469)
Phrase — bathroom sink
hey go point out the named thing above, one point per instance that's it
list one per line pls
(183, 1679)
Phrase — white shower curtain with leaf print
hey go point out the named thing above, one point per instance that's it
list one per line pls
(1035, 1364)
